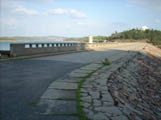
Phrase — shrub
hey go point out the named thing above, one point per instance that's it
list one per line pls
(106, 62)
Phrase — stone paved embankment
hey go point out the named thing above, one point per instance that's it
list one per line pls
(136, 88)
(96, 99)
(86, 86)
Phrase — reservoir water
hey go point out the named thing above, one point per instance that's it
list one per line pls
(4, 46)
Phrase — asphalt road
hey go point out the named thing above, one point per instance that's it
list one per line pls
(23, 82)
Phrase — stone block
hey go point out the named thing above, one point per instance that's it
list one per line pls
(119, 118)
(51, 107)
(64, 85)
(58, 94)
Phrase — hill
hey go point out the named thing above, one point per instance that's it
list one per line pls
(152, 36)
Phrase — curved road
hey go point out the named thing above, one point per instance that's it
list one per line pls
(23, 82)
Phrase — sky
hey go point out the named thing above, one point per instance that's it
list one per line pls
(76, 18)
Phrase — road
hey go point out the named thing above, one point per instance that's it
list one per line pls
(22, 82)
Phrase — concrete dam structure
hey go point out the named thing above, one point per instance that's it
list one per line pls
(26, 49)
(42, 48)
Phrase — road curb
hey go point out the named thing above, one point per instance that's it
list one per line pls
(41, 55)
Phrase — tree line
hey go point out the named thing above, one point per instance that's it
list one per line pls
(152, 36)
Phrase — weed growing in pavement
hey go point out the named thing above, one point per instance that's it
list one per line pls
(106, 62)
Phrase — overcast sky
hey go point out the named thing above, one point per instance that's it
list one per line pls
(76, 18)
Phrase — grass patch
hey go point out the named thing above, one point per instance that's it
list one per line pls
(73, 114)
(17, 59)
(33, 104)
(106, 62)
(78, 100)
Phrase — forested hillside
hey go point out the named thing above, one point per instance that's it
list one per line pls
(152, 36)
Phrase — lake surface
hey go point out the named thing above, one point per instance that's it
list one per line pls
(5, 46)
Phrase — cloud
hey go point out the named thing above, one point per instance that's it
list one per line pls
(23, 10)
(84, 22)
(77, 14)
(71, 12)
(58, 11)
(148, 4)
(11, 22)
(16, 6)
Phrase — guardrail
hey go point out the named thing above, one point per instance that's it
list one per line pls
(40, 45)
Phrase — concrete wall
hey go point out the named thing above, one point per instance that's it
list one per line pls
(25, 49)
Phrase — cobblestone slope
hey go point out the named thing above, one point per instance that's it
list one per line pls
(97, 101)
(136, 87)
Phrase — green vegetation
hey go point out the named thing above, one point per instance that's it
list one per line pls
(85, 39)
(78, 94)
(151, 36)
(33, 104)
(6, 38)
(106, 62)
(78, 100)
(82, 39)
(100, 38)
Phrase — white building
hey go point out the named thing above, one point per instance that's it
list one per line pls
(144, 28)
(90, 39)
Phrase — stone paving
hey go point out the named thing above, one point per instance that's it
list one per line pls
(96, 99)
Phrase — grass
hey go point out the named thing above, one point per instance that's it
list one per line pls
(106, 62)
(78, 94)
(73, 114)
(33, 104)
(20, 58)
(78, 100)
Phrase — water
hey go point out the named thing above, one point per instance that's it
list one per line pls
(4, 46)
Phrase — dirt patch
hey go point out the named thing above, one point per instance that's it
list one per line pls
(152, 50)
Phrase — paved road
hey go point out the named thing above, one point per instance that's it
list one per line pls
(23, 82)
